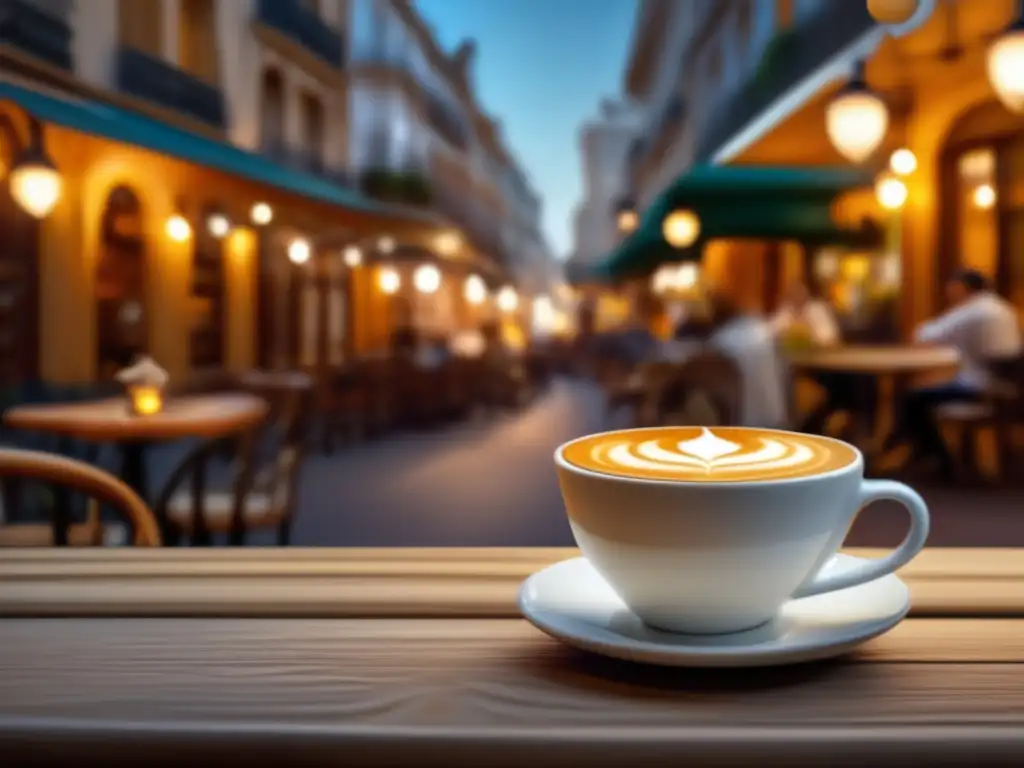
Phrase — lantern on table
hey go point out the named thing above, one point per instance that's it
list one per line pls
(144, 382)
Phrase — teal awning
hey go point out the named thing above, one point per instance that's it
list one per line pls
(110, 122)
(741, 202)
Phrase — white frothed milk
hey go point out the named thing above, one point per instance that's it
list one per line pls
(701, 454)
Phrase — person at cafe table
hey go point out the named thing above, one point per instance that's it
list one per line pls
(805, 321)
(984, 329)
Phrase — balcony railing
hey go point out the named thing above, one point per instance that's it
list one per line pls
(308, 161)
(446, 123)
(44, 34)
(304, 27)
(793, 55)
(160, 82)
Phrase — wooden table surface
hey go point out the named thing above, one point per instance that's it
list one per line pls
(110, 420)
(879, 360)
(393, 657)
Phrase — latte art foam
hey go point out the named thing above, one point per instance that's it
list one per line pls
(708, 455)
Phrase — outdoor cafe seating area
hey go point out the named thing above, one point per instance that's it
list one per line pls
(86, 470)
(706, 388)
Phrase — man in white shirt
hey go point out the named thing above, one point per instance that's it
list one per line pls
(985, 329)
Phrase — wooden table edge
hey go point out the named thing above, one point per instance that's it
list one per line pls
(397, 583)
(168, 743)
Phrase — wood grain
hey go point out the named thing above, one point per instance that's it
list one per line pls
(485, 691)
(392, 583)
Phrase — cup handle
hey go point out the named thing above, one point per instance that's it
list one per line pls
(870, 492)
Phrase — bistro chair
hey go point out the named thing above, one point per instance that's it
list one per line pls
(64, 475)
(263, 477)
(1001, 411)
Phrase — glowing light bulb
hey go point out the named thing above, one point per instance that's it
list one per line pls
(261, 214)
(178, 229)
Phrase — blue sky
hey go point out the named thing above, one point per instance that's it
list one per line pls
(542, 67)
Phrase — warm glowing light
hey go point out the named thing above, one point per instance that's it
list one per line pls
(36, 186)
(892, 11)
(352, 257)
(628, 220)
(386, 245)
(218, 225)
(681, 228)
(903, 162)
(687, 275)
(389, 280)
(427, 278)
(475, 290)
(299, 251)
(543, 314)
(661, 281)
(891, 192)
(261, 214)
(856, 120)
(508, 299)
(984, 196)
(448, 243)
(1005, 63)
(178, 228)
(145, 399)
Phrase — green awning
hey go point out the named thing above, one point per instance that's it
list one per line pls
(741, 202)
(110, 122)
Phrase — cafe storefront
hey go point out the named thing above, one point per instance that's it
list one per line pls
(123, 235)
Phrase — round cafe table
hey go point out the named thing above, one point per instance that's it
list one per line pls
(895, 366)
(109, 421)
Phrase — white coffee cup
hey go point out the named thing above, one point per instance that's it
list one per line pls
(716, 557)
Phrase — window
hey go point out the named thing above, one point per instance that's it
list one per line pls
(140, 25)
(197, 39)
(206, 340)
(313, 126)
(121, 306)
(272, 111)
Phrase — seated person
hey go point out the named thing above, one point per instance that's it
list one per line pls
(984, 328)
(746, 338)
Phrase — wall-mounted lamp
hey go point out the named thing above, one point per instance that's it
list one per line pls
(903, 162)
(261, 214)
(299, 251)
(475, 290)
(857, 119)
(218, 225)
(681, 228)
(352, 256)
(177, 228)
(36, 183)
(389, 280)
(1005, 62)
(386, 245)
(891, 192)
(508, 299)
(427, 278)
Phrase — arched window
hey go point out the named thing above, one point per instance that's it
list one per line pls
(982, 216)
(272, 110)
(19, 287)
(121, 307)
(206, 341)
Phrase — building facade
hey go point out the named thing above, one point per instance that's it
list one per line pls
(604, 144)
(210, 161)
(755, 80)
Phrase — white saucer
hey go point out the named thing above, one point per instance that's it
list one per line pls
(572, 603)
